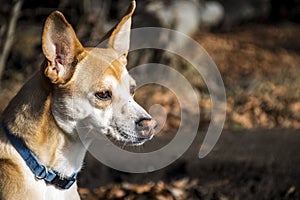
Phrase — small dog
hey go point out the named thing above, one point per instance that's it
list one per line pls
(40, 149)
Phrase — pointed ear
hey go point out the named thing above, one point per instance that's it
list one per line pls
(119, 36)
(61, 48)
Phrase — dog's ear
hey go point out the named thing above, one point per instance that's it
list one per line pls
(119, 36)
(61, 48)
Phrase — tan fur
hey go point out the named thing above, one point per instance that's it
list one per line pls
(11, 179)
(68, 70)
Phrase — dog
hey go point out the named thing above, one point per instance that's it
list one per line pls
(41, 151)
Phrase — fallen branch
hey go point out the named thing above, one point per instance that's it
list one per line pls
(10, 34)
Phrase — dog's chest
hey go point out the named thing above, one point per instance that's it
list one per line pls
(52, 193)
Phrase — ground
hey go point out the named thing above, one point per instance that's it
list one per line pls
(246, 165)
(256, 156)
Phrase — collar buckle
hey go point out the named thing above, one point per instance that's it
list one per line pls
(63, 183)
(43, 174)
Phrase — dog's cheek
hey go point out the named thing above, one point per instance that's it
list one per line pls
(102, 118)
(79, 107)
(102, 105)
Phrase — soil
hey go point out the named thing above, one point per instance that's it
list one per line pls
(256, 164)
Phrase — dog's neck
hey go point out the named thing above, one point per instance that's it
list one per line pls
(29, 117)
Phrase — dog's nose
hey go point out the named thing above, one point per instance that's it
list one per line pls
(146, 126)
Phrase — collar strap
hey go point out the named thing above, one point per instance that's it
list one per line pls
(38, 169)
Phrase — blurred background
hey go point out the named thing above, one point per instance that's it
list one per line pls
(256, 46)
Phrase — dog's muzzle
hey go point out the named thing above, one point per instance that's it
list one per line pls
(144, 129)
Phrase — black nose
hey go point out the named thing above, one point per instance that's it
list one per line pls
(146, 126)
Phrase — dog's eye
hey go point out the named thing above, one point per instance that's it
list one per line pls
(132, 90)
(104, 95)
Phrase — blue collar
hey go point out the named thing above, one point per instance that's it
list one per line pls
(38, 169)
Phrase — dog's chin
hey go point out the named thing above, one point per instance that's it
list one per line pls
(129, 139)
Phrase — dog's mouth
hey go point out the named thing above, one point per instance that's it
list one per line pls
(135, 140)
(129, 137)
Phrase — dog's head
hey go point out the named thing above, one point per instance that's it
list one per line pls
(92, 85)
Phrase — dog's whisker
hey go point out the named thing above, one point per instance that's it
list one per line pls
(124, 145)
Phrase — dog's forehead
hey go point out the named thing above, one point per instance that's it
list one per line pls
(103, 67)
(99, 61)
